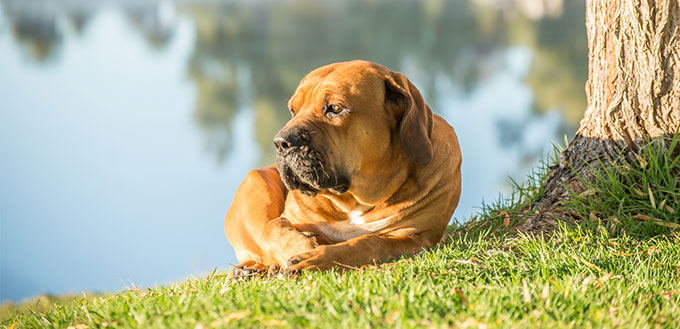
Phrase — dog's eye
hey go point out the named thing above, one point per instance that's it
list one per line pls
(333, 110)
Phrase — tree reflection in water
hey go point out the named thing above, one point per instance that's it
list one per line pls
(254, 54)
(251, 55)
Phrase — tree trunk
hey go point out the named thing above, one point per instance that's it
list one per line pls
(633, 92)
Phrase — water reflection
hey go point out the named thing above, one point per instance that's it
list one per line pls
(277, 43)
(34, 26)
(507, 74)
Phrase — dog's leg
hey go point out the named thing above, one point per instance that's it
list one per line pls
(280, 241)
(253, 226)
(366, 249)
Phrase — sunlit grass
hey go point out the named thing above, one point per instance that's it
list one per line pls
(583, 276)
(641, 199)
(576, 278)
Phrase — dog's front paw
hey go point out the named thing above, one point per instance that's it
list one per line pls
(249, 269)
(314, 260)
(282, 240)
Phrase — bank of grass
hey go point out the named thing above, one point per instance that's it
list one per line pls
(641, 199)
(595, 274)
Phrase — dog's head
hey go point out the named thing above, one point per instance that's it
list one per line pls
(348, 118)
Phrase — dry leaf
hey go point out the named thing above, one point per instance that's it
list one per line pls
(460, 295)
(526, 296)
(670, 292)
(588, 192)
(586, 282)
(506, 222)
(273, 322)
(657, 221)
(545, 292)
(643, 162)
(236, 315)
(472, 323)
(652, 250)
(392, 317)
(375, 310)
(602, 229)
(638, 191)
(593, 216)
(651, 196)
(604, 278)
(78, 326)
(662, 204)
(589, 264)
(667, 224)
(670, 210)
(614, 219)
(470, 261)
(625, 169)
(506, 218)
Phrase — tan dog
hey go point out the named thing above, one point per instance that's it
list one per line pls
(365, 172)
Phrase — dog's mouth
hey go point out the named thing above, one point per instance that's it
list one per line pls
(304, 169)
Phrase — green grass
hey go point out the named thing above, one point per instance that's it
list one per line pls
(641, 199)
(576, 278)
(590, 275)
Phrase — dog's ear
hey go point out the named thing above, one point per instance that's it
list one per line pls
(414, 120)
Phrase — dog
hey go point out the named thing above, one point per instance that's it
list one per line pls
(364, 173)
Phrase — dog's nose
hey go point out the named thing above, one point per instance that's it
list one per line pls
(286, 139)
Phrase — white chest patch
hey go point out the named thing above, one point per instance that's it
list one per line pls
(354, 227)
(355, 217)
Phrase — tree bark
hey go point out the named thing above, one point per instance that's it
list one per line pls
(633, 93)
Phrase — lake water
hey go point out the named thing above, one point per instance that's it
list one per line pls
(126, 126)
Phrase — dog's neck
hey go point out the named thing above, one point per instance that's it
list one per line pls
(364, 186)
(364, 193)
(347, 202)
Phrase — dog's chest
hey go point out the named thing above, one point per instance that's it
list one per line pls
(356, 217)
(339, 220)
(358, 223)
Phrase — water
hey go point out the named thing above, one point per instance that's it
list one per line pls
(126, 126)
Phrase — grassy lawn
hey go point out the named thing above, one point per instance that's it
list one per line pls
(620, 267)
(574, 279)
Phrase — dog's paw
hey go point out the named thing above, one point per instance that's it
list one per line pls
(311, 242)
(282, 240)
(313, 260)
(250, 269)
(295, 260)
